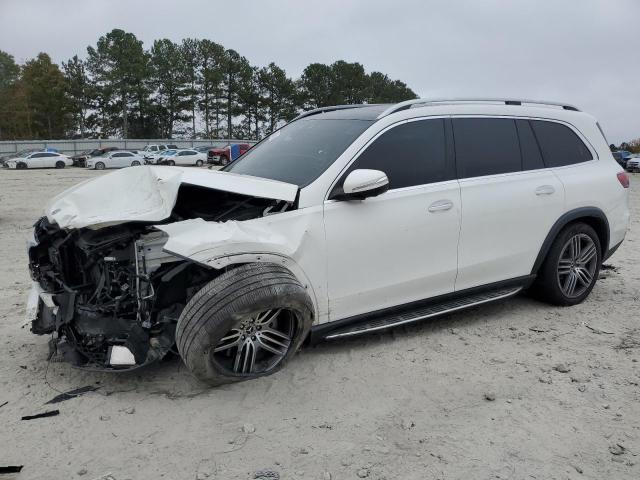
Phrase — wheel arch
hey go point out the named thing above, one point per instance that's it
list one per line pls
(592, 216)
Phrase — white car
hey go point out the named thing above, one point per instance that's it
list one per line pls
(40, 160)
(150, 151)
(185, 157)
(115, 159)
(633, 164)
(347, 220)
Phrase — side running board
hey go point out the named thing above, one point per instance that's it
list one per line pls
(380, 322)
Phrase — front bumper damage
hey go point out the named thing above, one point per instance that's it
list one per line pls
(104, 287)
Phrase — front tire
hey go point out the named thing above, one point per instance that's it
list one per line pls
(247, 323)
(99, 166)
(572, 266)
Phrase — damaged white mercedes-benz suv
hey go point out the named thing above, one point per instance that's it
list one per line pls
(347, 220)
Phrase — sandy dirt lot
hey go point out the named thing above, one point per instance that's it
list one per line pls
(475, 395)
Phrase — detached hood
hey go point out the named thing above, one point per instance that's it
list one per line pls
(149, 194)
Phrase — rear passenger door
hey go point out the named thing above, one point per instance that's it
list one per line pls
(509, 199)
(400, 246)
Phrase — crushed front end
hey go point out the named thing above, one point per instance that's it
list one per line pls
(111, 297)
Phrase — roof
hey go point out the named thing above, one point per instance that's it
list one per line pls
(346, 112)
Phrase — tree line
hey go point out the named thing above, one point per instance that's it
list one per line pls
(192, 89)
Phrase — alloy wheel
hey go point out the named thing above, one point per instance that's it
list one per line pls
(257, 344)
(577, 265)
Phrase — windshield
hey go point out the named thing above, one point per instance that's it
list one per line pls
(299, 152)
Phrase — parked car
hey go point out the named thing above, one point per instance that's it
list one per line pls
(24, 153)
(621, 157)
(115, 159)
(80, 160)
(345, 221)
(184, 157)
(39, 159)
(150, 150)
(223, 155)
(160, 157)
(633, 164)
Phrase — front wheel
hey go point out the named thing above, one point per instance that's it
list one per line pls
(244, 324)
(572, 266)
(99, 166)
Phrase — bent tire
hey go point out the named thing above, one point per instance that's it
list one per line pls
(572, 266)
(244, 324)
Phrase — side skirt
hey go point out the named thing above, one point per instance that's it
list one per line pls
(420, 310)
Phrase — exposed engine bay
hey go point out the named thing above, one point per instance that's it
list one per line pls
(111, 296)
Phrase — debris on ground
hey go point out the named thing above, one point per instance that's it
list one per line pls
(617, 449)
(597, 330)
(489, 396)
(82, 471)
(3, 404)
(50, 413)
(363, 473)
(266, 475)
(562, 368)
(248, 428)
(407, 424)
(130, 410)
(72, 394)
(11, 469)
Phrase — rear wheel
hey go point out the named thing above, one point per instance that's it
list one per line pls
(60, 164)
(244, 324)
(99, 166)
(571, 268)
(135, 163)
(199, 163)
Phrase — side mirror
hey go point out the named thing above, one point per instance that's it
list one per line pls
(364, 183)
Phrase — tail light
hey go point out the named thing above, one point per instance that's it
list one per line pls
(623, 178)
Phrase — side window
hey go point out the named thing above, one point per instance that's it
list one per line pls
(118, 155)
(412, 153)
(486, 146)
(559, 144)
(37, 155)
(531, 156)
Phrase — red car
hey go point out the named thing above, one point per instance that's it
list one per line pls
(222, 155)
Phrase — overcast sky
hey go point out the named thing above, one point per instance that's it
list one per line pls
(584, 52)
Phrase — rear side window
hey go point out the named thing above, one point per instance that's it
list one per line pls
(531, 156)
(412, 153)
(486, 146)
(559, 144)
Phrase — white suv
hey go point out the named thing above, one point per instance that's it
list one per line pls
(347, 220)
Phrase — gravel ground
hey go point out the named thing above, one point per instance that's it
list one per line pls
(512, 390)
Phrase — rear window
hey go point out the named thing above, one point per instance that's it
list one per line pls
(486, 146)
(559, 144)
(301, 151)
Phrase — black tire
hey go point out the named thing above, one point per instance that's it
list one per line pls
(21, 166)
(549, 284)
(171, 163)
(135, 163)
(60, 164)
(99, 166)
(225, 304)
(199, 163)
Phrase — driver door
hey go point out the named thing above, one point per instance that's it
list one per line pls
(400, 246)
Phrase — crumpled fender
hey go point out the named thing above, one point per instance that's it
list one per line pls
(277, 238)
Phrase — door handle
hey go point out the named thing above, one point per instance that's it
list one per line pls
(441, 206)
(545, 190)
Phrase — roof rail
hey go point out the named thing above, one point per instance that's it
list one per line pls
(333, 108)
(430, 101)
